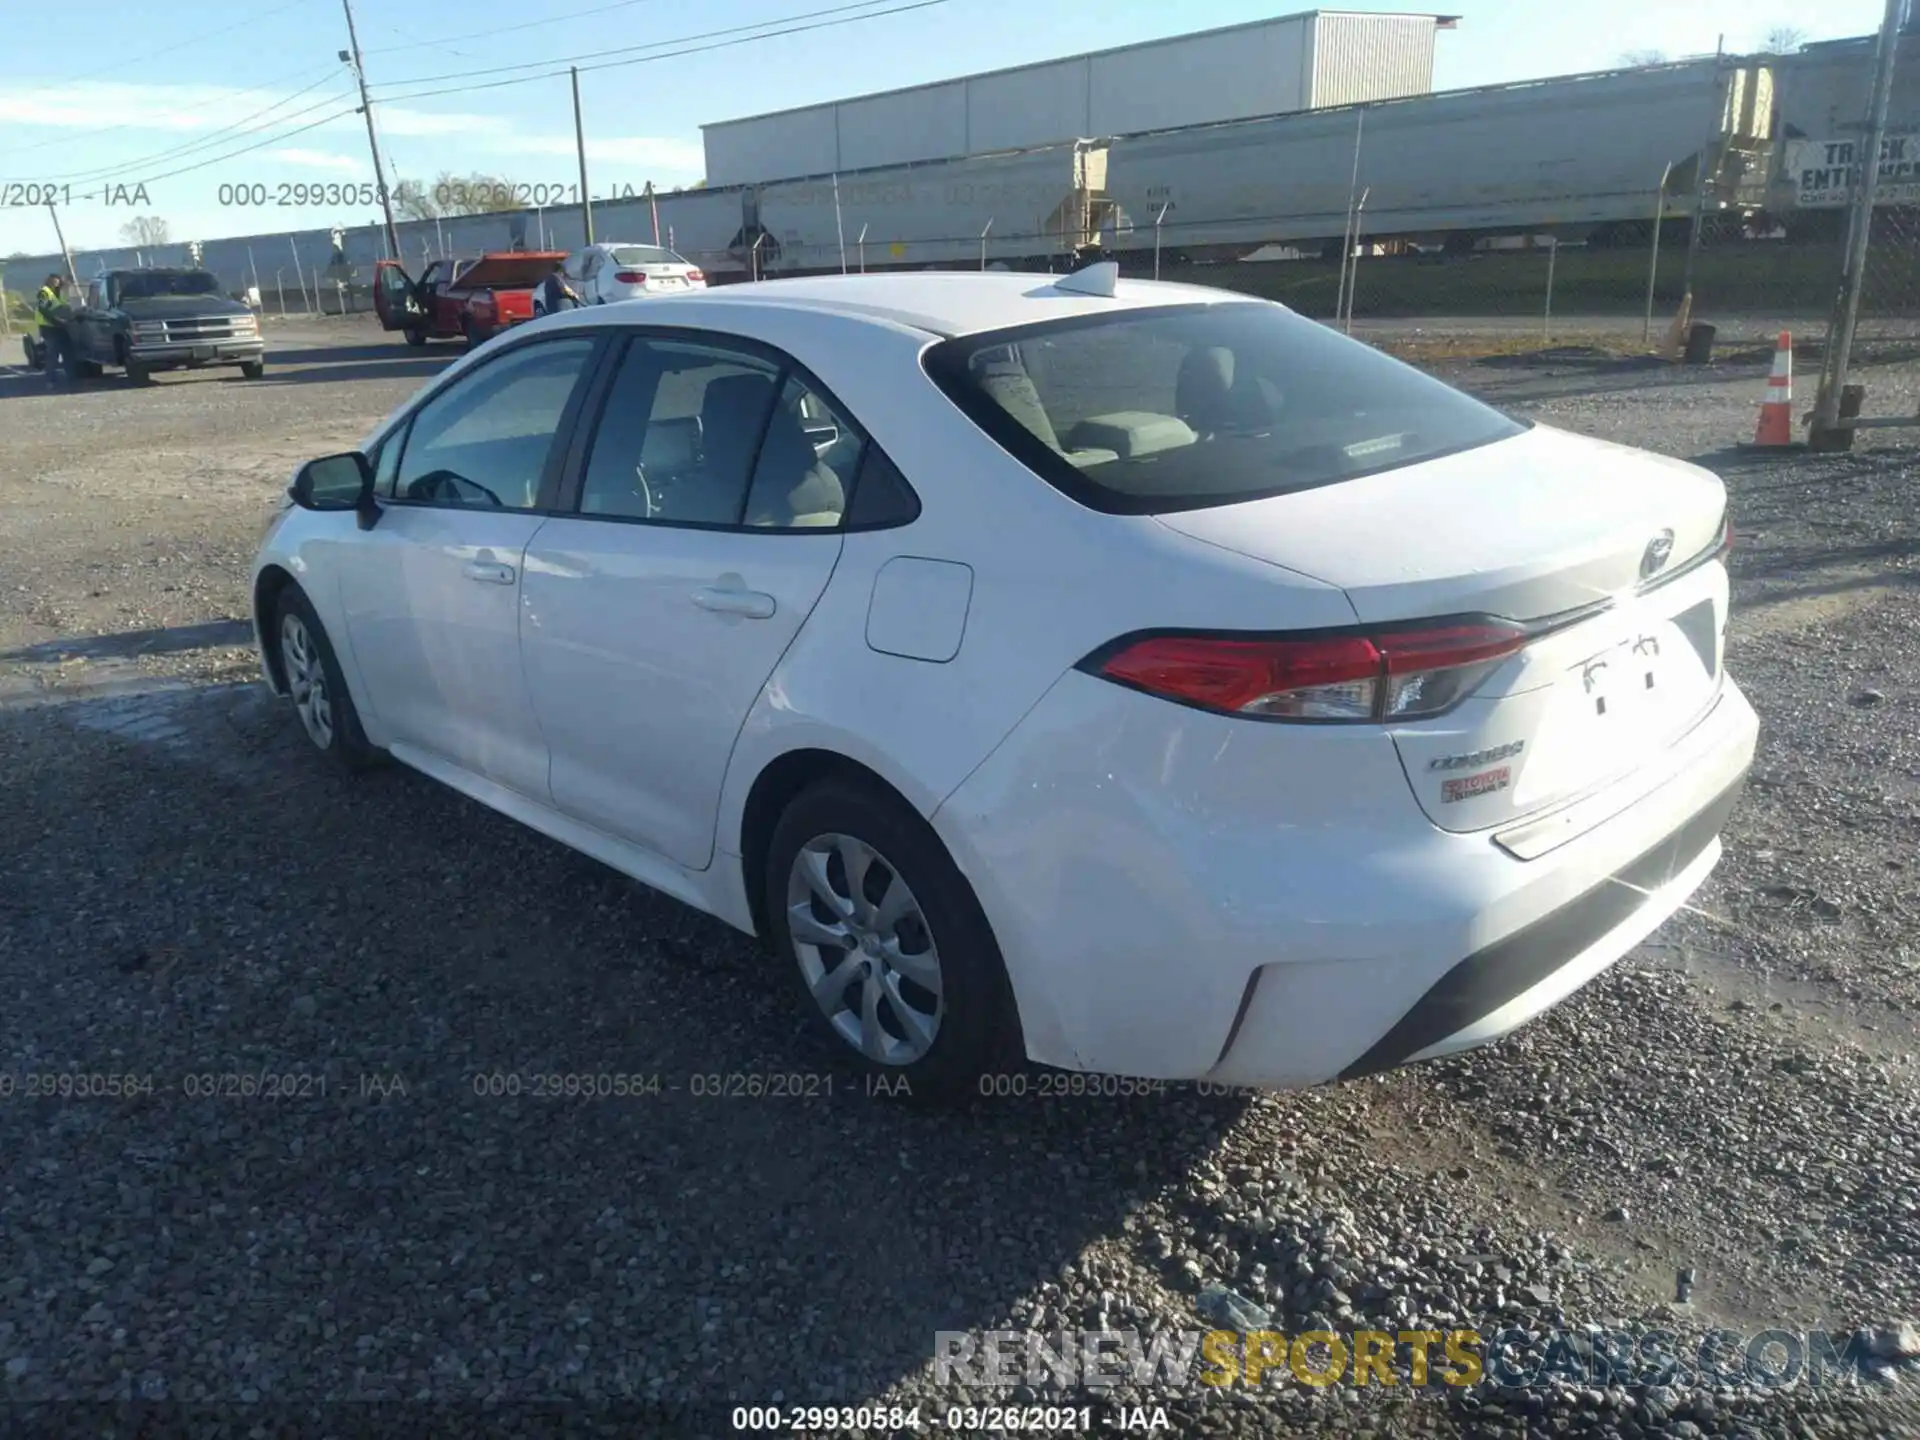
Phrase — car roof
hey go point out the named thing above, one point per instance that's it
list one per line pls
(943, 303)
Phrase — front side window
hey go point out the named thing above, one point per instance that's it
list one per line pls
(386, 462)
(1182, 407)
(485, 440)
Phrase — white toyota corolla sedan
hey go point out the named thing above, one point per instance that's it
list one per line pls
(1135, 678)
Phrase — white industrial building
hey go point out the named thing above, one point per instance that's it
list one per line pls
(1268, 67)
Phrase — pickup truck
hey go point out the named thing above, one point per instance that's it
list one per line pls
(148, 320)
(472, 300)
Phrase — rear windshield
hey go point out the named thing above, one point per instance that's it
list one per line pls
(646, 255)
(1182, 407)
(152, 284)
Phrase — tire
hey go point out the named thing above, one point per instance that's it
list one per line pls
(416, 337)
(312, 673)
(71, 365)
(138, 374)
(471, 332)
(974, 1030)
(253, 369)
(90, 370)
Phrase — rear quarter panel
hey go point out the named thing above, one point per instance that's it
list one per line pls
(1051, 582)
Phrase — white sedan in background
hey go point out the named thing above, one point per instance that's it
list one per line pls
(1133, 678)
(612, 271)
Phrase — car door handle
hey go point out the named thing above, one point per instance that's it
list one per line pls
(490, 572)
(750, 603)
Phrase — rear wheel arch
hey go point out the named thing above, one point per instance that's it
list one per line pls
(783, 779)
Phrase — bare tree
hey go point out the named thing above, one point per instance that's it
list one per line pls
(413, 201)
(145, 231)
(1636, 58)
(1785, 39)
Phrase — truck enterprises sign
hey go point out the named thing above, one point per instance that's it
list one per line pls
(1824, 172)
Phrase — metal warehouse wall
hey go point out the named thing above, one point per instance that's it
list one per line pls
(1371, 57)
(1268, 67)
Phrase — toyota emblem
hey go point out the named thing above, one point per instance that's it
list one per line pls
(1659, 551)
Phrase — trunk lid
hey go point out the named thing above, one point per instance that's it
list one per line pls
(510, 270)
(1576, 536)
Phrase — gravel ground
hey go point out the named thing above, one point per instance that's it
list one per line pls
(190, 897)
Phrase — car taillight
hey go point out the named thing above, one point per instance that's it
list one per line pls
(630, 277)
(696, 277)
(1408, 674)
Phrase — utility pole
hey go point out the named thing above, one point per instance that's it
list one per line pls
(1839, 354)
(580, 144)
(373, 145)
(65, 254)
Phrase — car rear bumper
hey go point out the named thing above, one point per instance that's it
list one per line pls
(1185, 896)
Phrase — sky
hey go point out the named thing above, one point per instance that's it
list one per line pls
(235, 117)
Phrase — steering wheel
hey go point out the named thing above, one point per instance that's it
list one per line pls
(444, 485)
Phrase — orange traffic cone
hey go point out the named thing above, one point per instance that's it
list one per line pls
(1776, 411)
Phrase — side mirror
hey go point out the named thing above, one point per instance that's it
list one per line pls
(337, 482)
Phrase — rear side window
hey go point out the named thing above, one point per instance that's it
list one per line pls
(1184, 407)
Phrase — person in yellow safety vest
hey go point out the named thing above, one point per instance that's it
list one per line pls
(51, 310)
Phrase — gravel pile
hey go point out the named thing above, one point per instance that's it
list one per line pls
(334, 1201)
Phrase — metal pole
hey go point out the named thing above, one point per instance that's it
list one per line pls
(373, 145)
(254, 268)
(1546, 323)
(1833, 378)
(861, 243)
(300, 275)
(439, 238)
(1346, 234)
(1156, 236)
(653, 204)
(753, 257)
(839, 228)
(65, 254)
(1353, 278)
(983, 242)
(280, 284)
(1653, 264)
(580, 144)
(1723, 89)
(540, 220)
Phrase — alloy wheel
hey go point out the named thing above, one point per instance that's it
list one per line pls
(865, 949)
(306, 680)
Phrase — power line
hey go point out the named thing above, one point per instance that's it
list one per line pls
(232, 130)
(721, 44)
(542, 23)
(740, 30)
(665, 55)
(146, 56)
(249, 149)
(69, 138)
